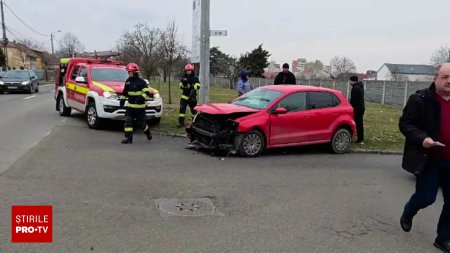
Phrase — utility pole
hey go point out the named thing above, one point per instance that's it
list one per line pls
(204, 52)
(51, 39)
(4, 40)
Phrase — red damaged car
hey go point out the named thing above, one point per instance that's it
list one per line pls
(275, 116)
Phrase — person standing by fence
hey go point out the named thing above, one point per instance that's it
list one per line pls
(426, 125)
(357, 102)
(285, 77)
(243, 85)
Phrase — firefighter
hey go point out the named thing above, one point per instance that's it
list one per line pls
(190, 85)
(136, 91)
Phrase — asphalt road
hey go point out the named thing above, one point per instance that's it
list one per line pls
(289, 200)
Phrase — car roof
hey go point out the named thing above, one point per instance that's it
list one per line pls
(295, 88)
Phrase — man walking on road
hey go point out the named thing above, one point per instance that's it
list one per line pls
(426, 125)
(357, 102)
(285, 77)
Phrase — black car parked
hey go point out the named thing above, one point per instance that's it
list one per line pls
(19, 81)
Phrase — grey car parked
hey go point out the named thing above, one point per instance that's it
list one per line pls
(19, 81)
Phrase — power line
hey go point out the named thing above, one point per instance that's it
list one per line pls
(23, 22)
(26, 36)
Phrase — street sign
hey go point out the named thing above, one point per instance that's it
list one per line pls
(218, 33)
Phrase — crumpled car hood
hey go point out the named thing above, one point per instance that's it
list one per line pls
(223, 108)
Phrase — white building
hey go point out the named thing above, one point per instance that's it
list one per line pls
(405, 72)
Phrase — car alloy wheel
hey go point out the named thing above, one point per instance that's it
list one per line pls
(341, 141)
(252, 144)
(61, 105)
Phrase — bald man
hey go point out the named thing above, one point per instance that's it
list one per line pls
(426, 125)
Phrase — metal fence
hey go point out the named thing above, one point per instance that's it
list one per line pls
(382, 92)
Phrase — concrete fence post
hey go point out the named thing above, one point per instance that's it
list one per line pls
(405, 98)
(384, 93)
(334, 85)
(259, 82)
(348, 91)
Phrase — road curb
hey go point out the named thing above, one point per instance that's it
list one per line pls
(352, 150)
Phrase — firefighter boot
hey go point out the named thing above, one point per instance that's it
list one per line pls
(148, 133)
(180, 122)
(127, 141)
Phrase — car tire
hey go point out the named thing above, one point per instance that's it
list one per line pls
(30, 90)
(252, 144)
(92, 118)
(62, 108)
(154, 121)
(37, 89)
(2, 92)
(340, 143)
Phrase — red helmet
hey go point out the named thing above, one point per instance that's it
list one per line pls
(132, 67)
(189, 67)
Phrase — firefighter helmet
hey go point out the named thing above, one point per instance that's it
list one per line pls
(132, 67)
(189, 67)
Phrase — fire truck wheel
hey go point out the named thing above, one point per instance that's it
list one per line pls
(92, 118)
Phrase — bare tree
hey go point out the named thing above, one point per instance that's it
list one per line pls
(171, 49)
(441, 55)
(30, 43)
(342, 67)
(141, 46)
(69, 45)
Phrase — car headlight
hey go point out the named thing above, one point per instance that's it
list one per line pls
(2, 83)
(110, 95)
(25, 82)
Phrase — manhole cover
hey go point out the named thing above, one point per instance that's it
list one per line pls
(186, 207)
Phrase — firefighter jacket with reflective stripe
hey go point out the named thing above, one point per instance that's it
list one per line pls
(190, 85)
(136, 90)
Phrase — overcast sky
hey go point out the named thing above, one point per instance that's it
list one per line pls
(370, 32)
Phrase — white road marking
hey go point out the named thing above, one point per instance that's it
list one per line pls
(42, 85)
(30, 97)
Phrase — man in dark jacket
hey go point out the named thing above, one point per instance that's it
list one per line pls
(426, 125)
(285, 77)
(357, 102)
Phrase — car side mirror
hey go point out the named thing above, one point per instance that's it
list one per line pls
(280, 110)
(80, 79)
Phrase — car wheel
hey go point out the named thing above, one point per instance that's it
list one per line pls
(30, 90)
(92, 118)
(37, 89)
(340, 143)
(62, 108)
(2, 92)
(252, 144)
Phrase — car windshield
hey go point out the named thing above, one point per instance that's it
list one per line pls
(17, 74)
(109, 75)
(258, 99)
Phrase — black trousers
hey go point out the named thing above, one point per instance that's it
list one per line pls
(134, 119)
(192, 103)
(359, 120)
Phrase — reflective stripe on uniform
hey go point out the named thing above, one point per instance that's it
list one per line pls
(128, 129)
(77, 88)
(146, 90)
(197, 86)
(181, 85)
(135, 93)
(137, 106)
(103, 87)
(64, 60)
(181, 115)
(123, 97)
(184, 97)
(145, 95)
